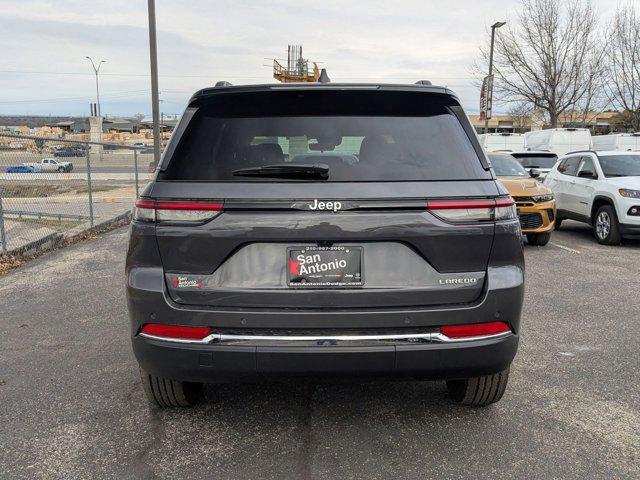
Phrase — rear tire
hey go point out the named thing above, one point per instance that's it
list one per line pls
(479, 391)
(606, 227)
(61, 169)
(166, 393)
(540, 239)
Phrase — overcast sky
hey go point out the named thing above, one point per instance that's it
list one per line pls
(44, 44)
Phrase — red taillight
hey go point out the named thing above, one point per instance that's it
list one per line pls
(180, 332)
(474, 330)
(216, 207)
(176, 210)
(473, 210)
(459, 204)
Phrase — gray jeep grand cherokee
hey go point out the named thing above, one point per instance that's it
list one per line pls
(324, 229)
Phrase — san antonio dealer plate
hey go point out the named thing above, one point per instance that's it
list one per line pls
(335, 266)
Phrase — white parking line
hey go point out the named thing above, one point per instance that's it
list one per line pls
(571, 250)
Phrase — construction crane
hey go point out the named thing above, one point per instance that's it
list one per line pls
(297, 68)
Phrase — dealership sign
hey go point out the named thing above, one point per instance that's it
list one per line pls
(486, 98)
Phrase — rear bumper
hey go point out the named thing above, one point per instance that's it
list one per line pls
(226, 361)
(222, 363)
(500, 300)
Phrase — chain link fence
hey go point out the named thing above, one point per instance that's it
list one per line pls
(51, 186)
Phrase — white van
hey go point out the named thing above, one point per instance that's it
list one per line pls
(559, 140)
(617, 141)
(501, 141)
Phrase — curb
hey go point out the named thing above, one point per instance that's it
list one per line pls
(78, 233)
(56, 240)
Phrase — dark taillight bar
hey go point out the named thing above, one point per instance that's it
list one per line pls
(473, 210)
(459, 204)
(187, 211)
(208, 206)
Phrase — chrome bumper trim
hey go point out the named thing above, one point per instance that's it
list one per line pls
(321, 340)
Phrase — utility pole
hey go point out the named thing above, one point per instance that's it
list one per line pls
(494, 27)
(96, 70)
(155, 104)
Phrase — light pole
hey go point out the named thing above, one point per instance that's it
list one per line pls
(494, 27)
(96, 70)
(155, 104)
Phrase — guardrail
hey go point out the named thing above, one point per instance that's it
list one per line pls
(59, 216)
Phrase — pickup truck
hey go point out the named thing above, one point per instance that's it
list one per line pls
(51, 165)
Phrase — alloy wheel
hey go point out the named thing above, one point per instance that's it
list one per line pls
(603, 225)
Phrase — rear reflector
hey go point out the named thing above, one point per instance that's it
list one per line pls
(474, 330)
(176, 331)
(473, 210)
(176, 210)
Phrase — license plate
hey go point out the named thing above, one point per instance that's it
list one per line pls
(319, 267)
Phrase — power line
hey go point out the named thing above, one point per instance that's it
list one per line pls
(124, 94)
(230, 75)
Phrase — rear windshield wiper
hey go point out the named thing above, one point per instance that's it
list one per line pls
(286, 170)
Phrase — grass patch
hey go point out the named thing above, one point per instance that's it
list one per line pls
(96, 188)
(47, 222)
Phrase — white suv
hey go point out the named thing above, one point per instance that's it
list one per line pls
(599, 188)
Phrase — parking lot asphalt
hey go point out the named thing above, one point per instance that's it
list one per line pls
(71, 403)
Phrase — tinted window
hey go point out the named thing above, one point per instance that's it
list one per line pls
(507, 166)
(536, 161)
(569, 166)
(374, 141)
(586, 164)
(620, 165)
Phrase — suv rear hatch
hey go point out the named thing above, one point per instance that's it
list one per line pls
(324, 198)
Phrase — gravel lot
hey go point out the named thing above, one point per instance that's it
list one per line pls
(72, 405)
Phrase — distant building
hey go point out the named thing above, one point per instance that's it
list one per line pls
(497, 123)
(167, 124)
(130, 125)
(598, 123)
(79, 125)
(109, 125)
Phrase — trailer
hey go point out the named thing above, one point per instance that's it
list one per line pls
(618, 141)
(492, 142)
(559, 140)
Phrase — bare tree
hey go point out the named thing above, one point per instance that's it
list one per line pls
(521, 114)
(551, 59)
(623, 62)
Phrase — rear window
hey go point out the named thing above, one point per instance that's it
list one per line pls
(380, 137)
(536, 161)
